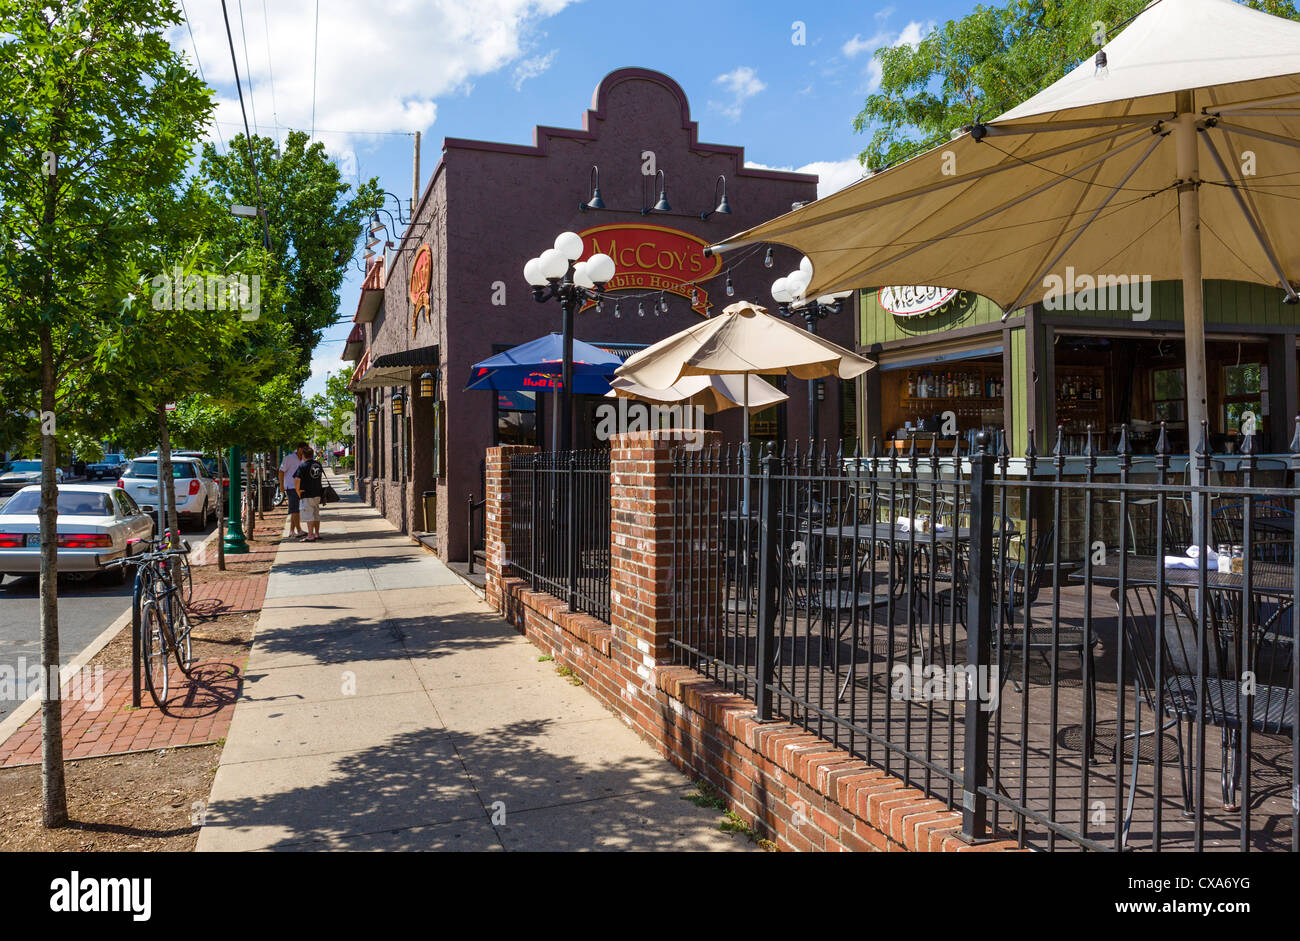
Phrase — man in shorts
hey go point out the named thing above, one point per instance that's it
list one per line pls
(288, 467)
(309, 481)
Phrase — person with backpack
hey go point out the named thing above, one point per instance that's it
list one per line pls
(309, 484)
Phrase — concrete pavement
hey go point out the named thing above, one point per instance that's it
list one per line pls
(387, 708)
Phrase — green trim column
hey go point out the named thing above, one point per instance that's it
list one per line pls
(1017, 392)
(234, 542)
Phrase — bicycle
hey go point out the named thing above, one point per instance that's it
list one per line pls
(164, 623)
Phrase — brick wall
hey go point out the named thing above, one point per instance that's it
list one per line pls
(795, 788)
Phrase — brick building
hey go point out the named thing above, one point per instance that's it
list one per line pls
(453, 292)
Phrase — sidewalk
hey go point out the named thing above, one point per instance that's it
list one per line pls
(386, 707)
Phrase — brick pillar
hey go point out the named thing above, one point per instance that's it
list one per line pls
(641, 560)
(496, 516)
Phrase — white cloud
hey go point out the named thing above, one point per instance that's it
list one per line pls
(379, 69)
(531, 68)
(909, 35)
(832, 175)
(858, 45)
(742, 83)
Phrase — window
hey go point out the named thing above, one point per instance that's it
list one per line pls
(1242, 393)
(1169, 395)
(181, 470)
(70, 503)
(394, 441)
(516, 418)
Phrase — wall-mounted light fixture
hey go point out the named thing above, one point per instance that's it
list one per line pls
(399, 404)
(662, 205)
(595, 202)
(720, 202)
(426, 384)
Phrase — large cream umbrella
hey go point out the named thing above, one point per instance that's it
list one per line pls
(1186, 128)
(715, 393)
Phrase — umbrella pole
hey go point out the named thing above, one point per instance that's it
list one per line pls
(1189, 212)
(745, 438)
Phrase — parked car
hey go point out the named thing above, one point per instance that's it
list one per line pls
(95, 525)
(196, 492)
(216, 466)
(15, 475)
(111, 466)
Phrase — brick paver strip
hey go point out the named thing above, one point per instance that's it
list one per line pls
(196, 713)
(229, 595)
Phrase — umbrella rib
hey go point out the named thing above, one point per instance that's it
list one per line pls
(1155, 142)
(857, 274)
(1016, 129)
(1242, 106)
(1262, 135)
(775, 234)
(1252, 220)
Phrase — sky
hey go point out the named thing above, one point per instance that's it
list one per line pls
(782, 79)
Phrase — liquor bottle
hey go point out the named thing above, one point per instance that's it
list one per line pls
(911, 386)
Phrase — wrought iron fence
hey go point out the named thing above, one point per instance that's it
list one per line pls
(1016, 638)
(560, 526)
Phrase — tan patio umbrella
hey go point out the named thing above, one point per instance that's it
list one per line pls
(744, 340)
(1182, 134)
(715, 393)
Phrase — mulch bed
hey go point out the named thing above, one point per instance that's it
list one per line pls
(150, 800)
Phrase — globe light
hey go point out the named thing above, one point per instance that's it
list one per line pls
(806, 266)
(796, 282)
(554, 264)
(570, 244)
(582, 275)
(600, 267)
(781, 291)
(533, 273)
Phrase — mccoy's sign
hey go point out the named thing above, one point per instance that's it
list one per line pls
(654, 258)
(914, 300)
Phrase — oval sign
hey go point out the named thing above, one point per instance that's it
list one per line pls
(655, 258)
(914, 300)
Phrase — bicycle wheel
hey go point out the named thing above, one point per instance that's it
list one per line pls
(181, 643)
(154, 637)
(183, 579)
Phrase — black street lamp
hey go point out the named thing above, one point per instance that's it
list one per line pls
(556, 274)
(788, 293)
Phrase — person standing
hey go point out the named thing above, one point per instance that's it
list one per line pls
(309, 481)
(288, 468)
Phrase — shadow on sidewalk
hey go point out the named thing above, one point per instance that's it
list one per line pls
(413, 793)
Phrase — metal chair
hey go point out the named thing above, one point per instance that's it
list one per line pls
(1182, 671)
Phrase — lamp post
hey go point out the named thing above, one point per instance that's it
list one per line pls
(788, 293)
(556, 274)
(233, 543)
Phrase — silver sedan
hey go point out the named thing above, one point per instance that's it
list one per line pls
(95, 525)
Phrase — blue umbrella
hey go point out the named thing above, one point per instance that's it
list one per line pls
(536, 366)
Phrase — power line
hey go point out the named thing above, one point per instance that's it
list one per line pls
(199, 63)
(326, 130)
(275, 113)
(315, 51)
(248, 69)
(252, 155)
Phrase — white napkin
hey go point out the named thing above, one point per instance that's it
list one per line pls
(908, 525)
(1193, 560)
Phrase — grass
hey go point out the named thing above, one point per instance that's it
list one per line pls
(708, 797)
(568, 674)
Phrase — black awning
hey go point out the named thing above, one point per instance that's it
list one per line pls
(621, 350)
(409, 359)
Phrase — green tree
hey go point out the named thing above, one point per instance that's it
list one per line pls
(314, 225)
(983, 64)
(98, 114)
(334, 409)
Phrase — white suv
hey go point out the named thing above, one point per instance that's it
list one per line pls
(197, 494)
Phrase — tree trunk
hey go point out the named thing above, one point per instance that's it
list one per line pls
(166, 485)
(54, 797)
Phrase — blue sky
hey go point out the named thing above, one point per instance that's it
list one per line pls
(782, 79)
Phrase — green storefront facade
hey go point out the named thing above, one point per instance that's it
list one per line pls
(1085, 360)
